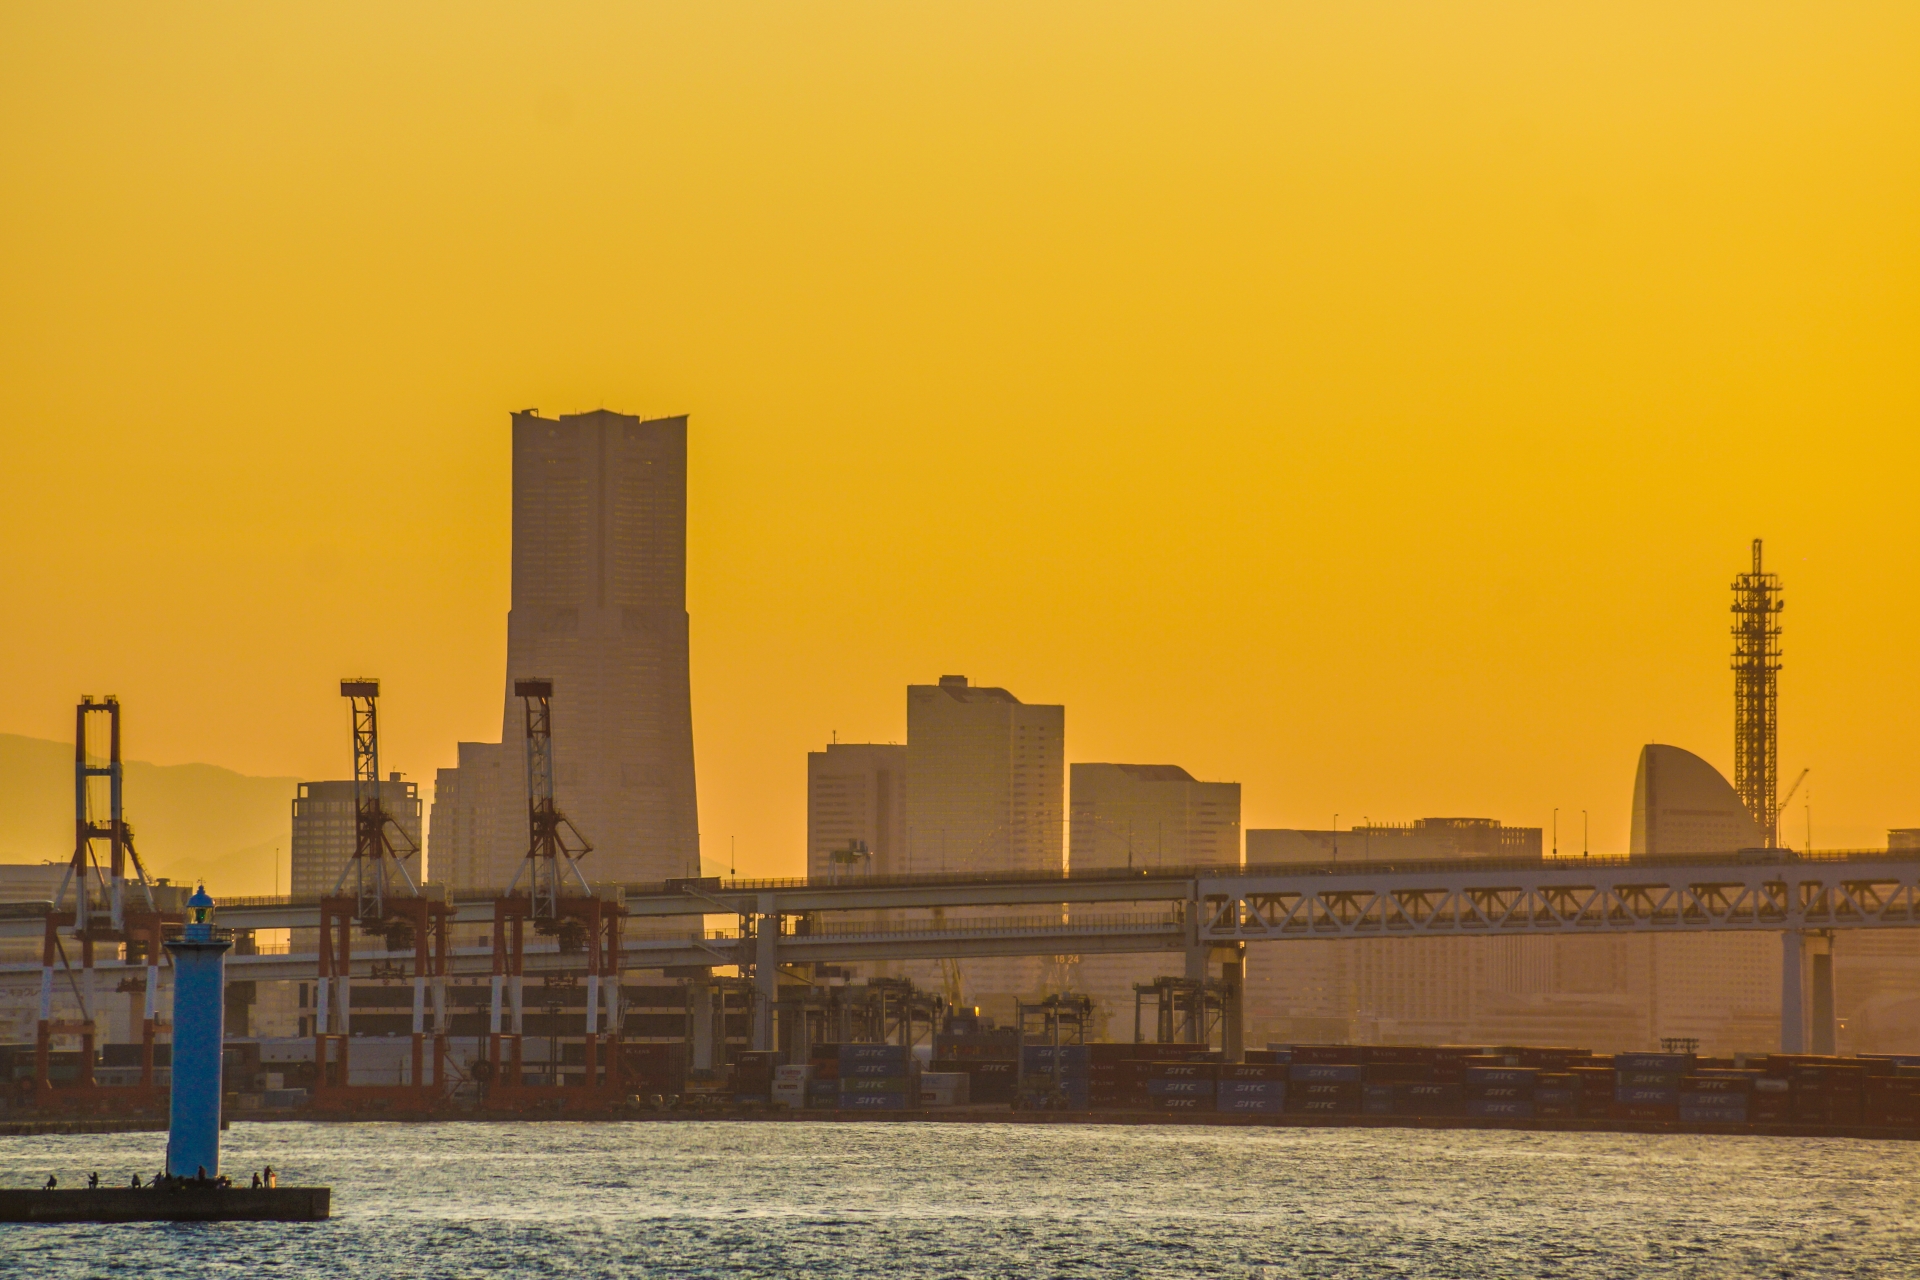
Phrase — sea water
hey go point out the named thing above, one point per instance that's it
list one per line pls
(741, 1199)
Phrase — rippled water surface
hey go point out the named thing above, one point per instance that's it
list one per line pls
(870, 1199)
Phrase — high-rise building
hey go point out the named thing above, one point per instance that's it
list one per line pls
(856, 810)
(1142, 816)
(471, 843)
(985, 777)
(1151, 815)
(324, 831)
(985, 773)
(599, 607)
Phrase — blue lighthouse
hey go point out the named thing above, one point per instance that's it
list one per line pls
(199, 1008)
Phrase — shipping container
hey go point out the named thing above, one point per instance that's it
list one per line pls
(1376, 1099)
(1328, 1054)
(1188, 1088)
(1429, 1099)
(1251, 1089)
(1313, 1072)
(1500, 1108)
(1675, 1063)
(1272, 1105)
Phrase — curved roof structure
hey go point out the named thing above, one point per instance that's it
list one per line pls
(1682, 804)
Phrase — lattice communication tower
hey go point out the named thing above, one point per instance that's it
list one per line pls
(1756, 695)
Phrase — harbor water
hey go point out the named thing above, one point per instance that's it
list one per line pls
(1002, 1200)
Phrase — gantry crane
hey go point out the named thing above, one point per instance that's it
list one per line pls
(108, 906)
(549, 892)
(386, 901)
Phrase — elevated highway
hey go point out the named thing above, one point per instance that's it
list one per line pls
(1200, 911)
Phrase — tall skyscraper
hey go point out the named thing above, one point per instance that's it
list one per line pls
(985, 776)
(985, 772)
(599, 607)
(323, 831)
(856, 799)
(472, 844)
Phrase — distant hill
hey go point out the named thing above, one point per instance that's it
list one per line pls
(189, 820)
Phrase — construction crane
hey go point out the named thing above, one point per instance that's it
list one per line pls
(1782, 806)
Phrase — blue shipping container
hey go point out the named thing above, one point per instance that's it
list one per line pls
(1675, 1062)
(895, 1053)
(1647, 1097)
(1326, 1072)
(874, 1101)
(1499, 1075)
(1273, 1105)
(1180, 1088)
(1714, 1115)
(1490, 1108)
(1250, 1088)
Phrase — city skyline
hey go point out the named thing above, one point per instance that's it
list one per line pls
(1379, 431)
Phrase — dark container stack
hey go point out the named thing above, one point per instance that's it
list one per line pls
(878, 1077)
(1182, 1086)
(1499, 1092)
(1646, 1086)
(655, 1068)
(989, 1056)
(823, 1086)
(753, 1076)
(1043, 1067)
(1251, 1088)
(1325, 1080)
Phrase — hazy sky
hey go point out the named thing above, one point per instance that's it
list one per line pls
(1367, 402)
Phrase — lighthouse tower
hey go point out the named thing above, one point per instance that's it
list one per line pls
(199, 1000)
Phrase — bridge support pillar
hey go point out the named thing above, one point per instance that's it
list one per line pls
(1821, 996)
(1233, 1018)
(701, 993)
(1793, 1020)
(766, 973)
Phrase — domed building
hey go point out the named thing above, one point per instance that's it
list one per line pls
(1722, 989)
(1682, 804)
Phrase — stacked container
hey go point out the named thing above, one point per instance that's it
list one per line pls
(1325, 1080)
(1716, 1096)
(1251, 1088)
(790, 1085)
(878, 1077)
(1646, 1086)
(1182, 1086)
(1038, 1075)
(1499, 1092)
(1826, 1092)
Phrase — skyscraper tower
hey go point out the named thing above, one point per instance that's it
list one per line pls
(1756, 695)
(600, 609)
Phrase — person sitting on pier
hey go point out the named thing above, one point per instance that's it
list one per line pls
(53, 1182)
(135, 1184)
(256, 1180)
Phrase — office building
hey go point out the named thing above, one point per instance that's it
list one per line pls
(1151, 815)
(856, 810)
(1140, 817)
(324, 832)
(986, 775)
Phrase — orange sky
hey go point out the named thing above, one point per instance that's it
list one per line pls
(1366, 402)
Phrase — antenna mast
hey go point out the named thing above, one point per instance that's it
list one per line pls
(1756, 695)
